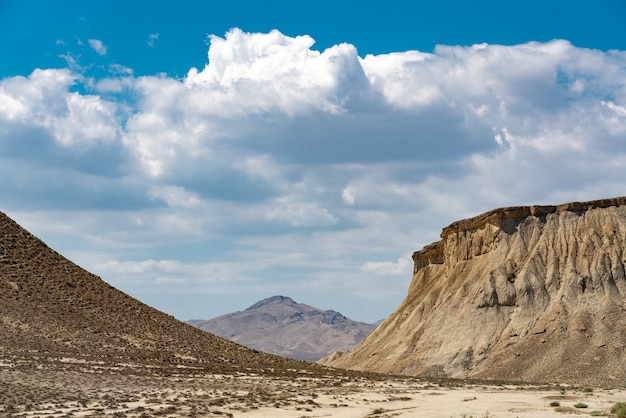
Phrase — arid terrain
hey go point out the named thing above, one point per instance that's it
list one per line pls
(68, 388)
(73, 346)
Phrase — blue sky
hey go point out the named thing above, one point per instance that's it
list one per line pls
(203, 156)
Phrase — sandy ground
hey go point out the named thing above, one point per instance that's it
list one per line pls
(67, 389)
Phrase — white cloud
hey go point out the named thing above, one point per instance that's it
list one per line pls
(175, 196)
(88, 119)
(348, 195)
(616, 120)
(152, 38)
(43, 100)
(300, 164)
(260, 73)
(120, 69)
(98, 46)
(300, 214)
(160, 271)
(404, 266)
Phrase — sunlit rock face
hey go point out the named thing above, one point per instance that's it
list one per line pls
(533, 293)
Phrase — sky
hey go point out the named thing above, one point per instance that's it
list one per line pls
(202, 156)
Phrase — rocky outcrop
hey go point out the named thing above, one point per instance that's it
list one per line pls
(532, 293)
(279, 325)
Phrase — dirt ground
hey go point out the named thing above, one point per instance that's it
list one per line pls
(66, 387)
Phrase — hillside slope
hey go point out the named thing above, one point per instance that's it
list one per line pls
(52, 309)
(279, 325)
(534, 293)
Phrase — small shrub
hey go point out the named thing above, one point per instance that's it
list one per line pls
(580, 405)
(588, 390)
(619, 409)
(565, 409)
(555, 403)
(598, 414)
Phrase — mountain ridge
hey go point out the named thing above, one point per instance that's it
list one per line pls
(282, 326)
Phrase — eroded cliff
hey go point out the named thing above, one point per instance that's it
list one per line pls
(533, 293)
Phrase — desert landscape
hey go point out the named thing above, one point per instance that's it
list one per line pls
(70, 388)
(73, 346)
(289, 209)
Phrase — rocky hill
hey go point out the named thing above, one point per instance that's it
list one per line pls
(532, 293)
(53, 310)
(279, 325)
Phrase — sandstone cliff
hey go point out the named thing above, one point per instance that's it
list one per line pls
(533, 293)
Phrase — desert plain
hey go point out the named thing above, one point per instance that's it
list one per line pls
(71, 387)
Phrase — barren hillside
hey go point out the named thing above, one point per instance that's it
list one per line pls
(534, 293)
(51, 309)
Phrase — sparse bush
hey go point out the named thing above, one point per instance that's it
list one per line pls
(619, 409)
(598, 414)
(565, 409)
(580, 405)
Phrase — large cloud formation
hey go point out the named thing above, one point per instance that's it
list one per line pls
(320, 167)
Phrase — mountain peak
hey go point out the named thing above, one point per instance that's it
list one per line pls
(282, 326)
(274, 300)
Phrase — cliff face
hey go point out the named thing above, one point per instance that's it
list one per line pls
(532, 293)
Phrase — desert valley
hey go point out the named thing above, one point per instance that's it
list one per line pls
(518, 312)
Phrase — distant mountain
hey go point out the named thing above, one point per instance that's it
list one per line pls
(279, 325)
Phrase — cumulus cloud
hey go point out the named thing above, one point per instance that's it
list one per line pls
(275, 146)
(44, 100)
(261, 73)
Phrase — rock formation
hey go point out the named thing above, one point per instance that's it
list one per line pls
(279, 325)
(532, 293)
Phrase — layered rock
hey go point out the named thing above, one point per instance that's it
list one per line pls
(533, 293)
